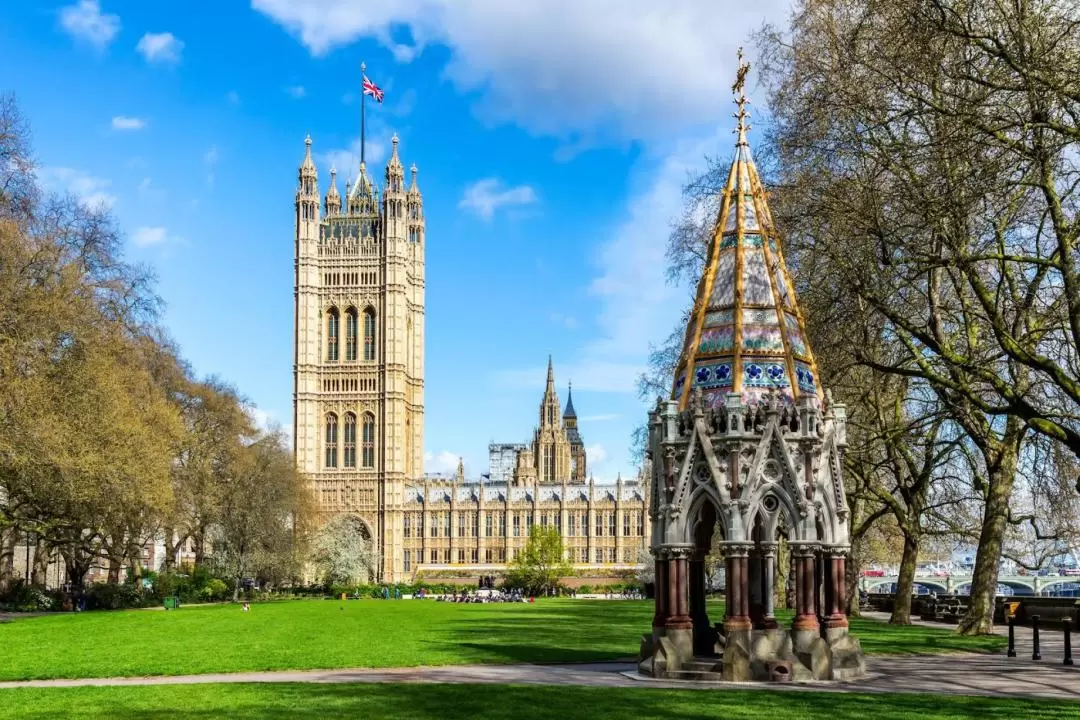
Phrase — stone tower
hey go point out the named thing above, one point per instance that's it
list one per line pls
(555, 446)
(358, 402)
(577, 445)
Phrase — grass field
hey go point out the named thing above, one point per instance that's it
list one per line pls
(503, 702)
(323, 634)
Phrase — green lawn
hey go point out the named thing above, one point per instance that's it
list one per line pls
(318, 634)
(502, 702)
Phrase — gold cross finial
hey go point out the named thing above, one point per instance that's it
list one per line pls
(741, 101)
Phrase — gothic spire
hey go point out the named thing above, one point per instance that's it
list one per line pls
(333, 199)
(569, 413)
(746, 333)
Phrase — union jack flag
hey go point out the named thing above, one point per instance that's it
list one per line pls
(372, 89)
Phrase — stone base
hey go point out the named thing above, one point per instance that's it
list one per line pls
(802, 655)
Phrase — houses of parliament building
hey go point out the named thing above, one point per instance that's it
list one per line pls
(359, 406)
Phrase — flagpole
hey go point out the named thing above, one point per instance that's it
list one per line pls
(363, 67)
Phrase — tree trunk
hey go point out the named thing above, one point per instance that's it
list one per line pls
(40, 569)
(200, 547)
(7, 557)
(172, 547)
(114, 570)
(905, 583)
(852, 569)
(236, 589)
(1002, 475)
(77, 565)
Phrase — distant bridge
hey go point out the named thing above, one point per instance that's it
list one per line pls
(957, 584)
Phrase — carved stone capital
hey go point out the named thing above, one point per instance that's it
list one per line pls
(736, 549)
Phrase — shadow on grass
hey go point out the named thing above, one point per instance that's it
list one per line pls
(502, 702)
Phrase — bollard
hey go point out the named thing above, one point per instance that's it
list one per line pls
(1067, 624)
(1035, 654)
(1012, 636)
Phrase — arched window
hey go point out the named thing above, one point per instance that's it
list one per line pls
(332, 321)
(350, 440)
(351, 327)
(368, 441)
(331, 440)
(369, 334)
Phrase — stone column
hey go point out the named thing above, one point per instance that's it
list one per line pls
(837, 611)
(738, 600)
(678, 589)
(660, 580)
(805, 617)
(768, 551)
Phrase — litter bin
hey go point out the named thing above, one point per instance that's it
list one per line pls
(172, 602)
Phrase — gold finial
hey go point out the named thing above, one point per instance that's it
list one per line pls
(741, 101)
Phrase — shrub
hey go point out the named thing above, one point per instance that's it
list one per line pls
(23, 597)
(103, 596)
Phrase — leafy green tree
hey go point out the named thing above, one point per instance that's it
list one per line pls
(540, 563)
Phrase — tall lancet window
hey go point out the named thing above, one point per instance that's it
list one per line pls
(368, 441)
(332, 332)
(331, 440)
(350, 440)
(351, 327)
(549, 463)
(369, 334)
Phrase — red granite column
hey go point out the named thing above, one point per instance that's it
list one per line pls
(838, 611)
(660, 581)
(738, 599)
(804, 590)
(678, 602)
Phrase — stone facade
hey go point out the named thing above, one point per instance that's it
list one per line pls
(478, 526)
(359, 347)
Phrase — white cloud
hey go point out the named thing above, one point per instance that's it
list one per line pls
(162, 48)
(268, 421)
(596, 455)
(296, 91)
(444, 462)
(210, 158)
(85, 21)
(635, 303)
(148, 192)
(147, 236)
(629, 68)
(92, 191)
(123, 122)
(567, 321)
(486, 196)
(347, 160)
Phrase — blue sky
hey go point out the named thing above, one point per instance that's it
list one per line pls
(552, 139)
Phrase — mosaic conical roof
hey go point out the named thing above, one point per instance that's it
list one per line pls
(746, 333)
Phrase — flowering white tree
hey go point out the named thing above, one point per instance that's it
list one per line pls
(343, 552)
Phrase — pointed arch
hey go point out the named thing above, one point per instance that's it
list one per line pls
(350, 441)
(331, 440)
(369, 333)
(367, 448)
(352, 327)
(333, 332)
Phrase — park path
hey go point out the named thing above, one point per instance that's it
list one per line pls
(955, 674)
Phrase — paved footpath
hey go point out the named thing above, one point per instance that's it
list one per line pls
(956, 674)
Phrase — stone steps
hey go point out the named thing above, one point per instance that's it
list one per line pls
(702, 670)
